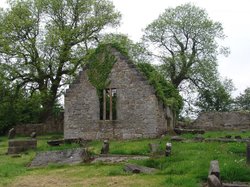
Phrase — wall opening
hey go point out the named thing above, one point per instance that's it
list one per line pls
(108, 104)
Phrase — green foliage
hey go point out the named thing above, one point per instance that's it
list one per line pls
(242, 102)
(165, 91)
(43, 43)
(216, 96)
(17, 107)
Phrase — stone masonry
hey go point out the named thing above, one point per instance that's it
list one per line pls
(223, 121)
(139, 112)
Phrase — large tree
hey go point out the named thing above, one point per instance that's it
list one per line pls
(186, 41)
(43, 42)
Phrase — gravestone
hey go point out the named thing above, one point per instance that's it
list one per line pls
(132, 168)
(12, 133)
(214, 168)
(105, 147)
(33, 135)
(168, 149)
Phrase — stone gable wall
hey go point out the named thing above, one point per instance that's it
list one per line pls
(223, 121)
(139, 112)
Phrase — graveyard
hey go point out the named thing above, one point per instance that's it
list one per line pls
(186, 165)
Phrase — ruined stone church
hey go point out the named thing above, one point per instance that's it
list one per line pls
(128, 107)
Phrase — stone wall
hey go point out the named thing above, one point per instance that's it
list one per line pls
(139, 112)
(54, 125)
(223, 121)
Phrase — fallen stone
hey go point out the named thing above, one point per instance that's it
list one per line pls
(177, 138)
(132, 168)
(213, 181)
(69, 156)
(235, 185)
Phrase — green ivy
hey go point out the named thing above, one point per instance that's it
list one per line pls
(165, 91)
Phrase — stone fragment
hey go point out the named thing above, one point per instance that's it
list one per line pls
(213, 181)
(105, 147)
(12, 133)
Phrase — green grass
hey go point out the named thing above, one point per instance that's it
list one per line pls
(187, 166)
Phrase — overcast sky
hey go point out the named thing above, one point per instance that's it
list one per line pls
(234, 16)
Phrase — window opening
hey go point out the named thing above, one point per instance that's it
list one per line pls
(108, 104)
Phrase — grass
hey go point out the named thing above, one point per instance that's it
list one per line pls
(187, 166)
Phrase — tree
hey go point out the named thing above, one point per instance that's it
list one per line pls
(242, 102)
(137, 52)
(216, 97)
(186, 40)
(43, 43)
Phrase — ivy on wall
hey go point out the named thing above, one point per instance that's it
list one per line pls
(165, 91)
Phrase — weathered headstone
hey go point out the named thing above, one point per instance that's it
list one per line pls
(33, 135)
(12, 133)
(105, 147)
(214, 168)
(168, 149)
(213, 181)
(248, 153)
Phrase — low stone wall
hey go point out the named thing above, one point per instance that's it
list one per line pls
(54, 125)
(222, 121)
(18, 146)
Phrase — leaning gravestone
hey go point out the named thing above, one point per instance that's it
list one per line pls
(12, 133)
(105, 147)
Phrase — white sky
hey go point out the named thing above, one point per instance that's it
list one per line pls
(234, 16)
